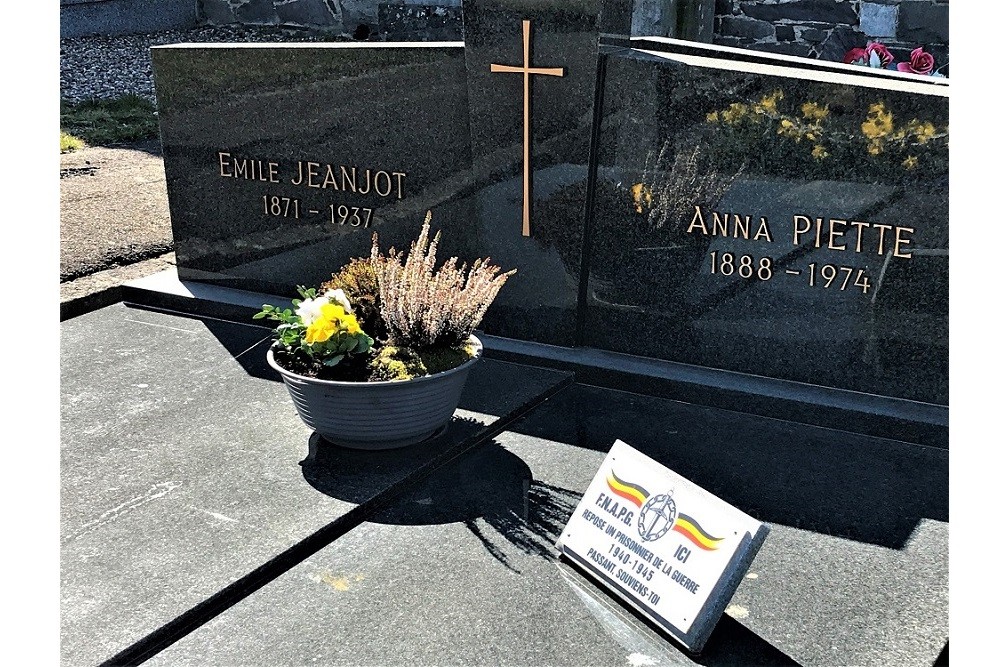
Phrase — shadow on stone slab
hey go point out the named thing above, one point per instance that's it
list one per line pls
(489, 486)
(730, 644)
(733, 644)
(832, 482)
(356, 475)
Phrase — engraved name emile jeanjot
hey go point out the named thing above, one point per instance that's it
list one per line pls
(359, 180)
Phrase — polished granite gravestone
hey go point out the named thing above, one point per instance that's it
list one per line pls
(773, 221)
(187, 475)
(282, 160)
(463, 570)
(532, 69)
(386, 132)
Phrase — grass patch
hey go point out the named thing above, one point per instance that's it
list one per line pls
(67, 143)
(104, 122)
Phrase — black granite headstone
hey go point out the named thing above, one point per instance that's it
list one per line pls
(727, 210)
(532, 72)
(282, 159)
(773, 221)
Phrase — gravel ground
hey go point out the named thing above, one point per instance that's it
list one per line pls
(107, 67)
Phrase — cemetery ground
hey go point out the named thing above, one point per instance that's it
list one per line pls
(204, 524)
(194, 534)
(114, 219)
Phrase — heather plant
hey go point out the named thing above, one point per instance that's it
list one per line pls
(425, 308)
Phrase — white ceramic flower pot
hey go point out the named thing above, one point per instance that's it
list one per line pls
(377, 415)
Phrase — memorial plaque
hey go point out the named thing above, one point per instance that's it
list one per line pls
(668, 548)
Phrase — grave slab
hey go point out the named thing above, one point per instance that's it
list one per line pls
(184, 466)
(463, 570)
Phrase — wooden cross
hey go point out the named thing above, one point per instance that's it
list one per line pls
(527, 70)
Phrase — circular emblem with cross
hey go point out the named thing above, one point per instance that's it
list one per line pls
(657, 516)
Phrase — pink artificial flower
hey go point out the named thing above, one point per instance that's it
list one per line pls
(856, 54)
(884, 56)
(921, 62)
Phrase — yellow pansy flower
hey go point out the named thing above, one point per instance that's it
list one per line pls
(351, 323)
(910, 162)
(320, 331)
(328, 323)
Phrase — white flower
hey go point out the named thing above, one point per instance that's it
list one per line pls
(338, 297)
(308, 310)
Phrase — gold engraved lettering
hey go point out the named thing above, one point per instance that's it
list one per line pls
(881, 236)
(857, 224)
(698, 221)
(901, 241)
(368, 183)
(819, 230)
(223, 163)
(399, 183)
(312, 171)
(835, 234)
(762, 230)
(344, 181)
(388, 183)
(325, 176)
(741, 224)
(797, 231)
(527, 71)
(720, 222)
(331, 178)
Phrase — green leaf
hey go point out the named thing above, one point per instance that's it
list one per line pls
(333, 361)
(259, 316)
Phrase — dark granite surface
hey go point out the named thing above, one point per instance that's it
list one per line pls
(737, 137)
(463, 570)
(540, 303)
(184, 466)
(681, 142)
(390, 121)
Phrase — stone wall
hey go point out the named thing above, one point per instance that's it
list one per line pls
(419, 20)
(78, 18)
(827, 29)
(824, 29)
